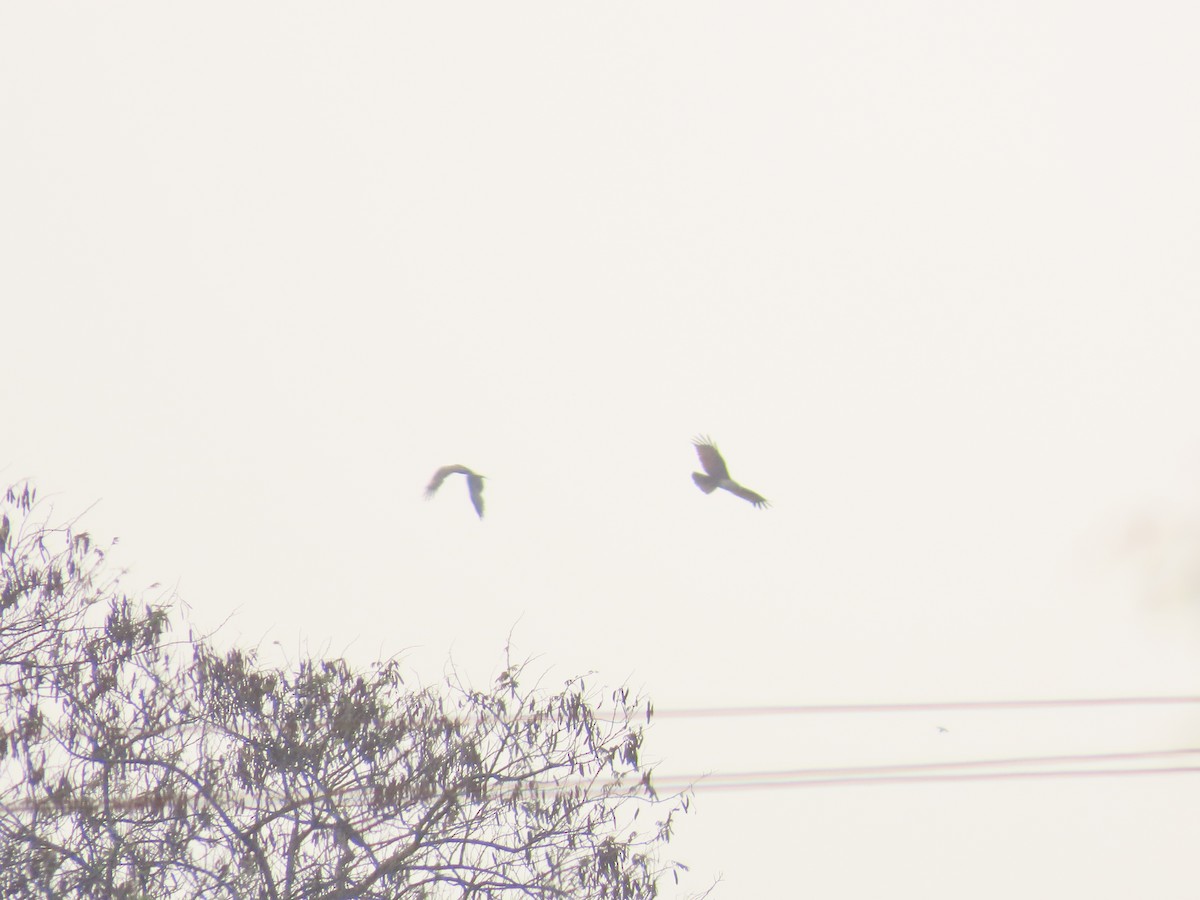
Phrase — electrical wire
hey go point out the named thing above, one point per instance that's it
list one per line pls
(909, 772)
(714, 712)
(928, 779)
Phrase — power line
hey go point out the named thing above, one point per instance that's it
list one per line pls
(961, 777)
(910, 771)
(714, 712)
(841, 776)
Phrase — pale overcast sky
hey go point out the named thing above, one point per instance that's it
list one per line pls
(927, 273)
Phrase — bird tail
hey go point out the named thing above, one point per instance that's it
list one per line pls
(706, 483)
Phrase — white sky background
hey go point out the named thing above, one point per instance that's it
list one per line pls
(926, 272)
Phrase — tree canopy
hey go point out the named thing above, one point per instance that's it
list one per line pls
(137, 760)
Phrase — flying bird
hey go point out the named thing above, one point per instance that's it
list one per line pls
(474, 484)
(718, 473)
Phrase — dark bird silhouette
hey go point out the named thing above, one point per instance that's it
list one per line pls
(718, 473)
(474, 484)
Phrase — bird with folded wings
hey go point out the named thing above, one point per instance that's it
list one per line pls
(474, 484)
(716, 474)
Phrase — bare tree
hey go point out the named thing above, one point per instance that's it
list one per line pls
(135, 763)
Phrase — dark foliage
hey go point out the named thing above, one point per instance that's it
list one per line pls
(136, 763)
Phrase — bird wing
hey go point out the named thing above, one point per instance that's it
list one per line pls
(710, 458)
(475, 487)
(442, 474)
(746, 494)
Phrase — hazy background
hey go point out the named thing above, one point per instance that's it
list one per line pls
(925, 271)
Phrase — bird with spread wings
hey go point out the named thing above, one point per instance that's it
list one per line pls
(474, 484)
(718, 473)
